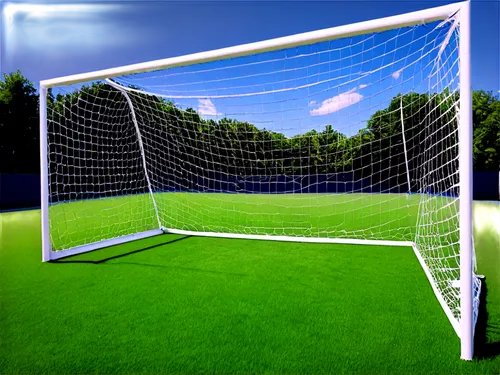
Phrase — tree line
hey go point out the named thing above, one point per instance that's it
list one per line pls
(91, 129)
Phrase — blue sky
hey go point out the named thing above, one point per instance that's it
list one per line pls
(47, 40)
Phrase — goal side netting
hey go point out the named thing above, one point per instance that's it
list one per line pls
(348, 139)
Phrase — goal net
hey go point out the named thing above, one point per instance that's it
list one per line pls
(345, 135)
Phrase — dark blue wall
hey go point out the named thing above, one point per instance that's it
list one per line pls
(23, 190)
(486, 186)
(320, 183)
(19, 191)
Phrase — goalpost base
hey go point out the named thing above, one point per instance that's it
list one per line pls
(350, 241)
(54, 255)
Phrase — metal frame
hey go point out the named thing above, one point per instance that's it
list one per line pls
(466, 325)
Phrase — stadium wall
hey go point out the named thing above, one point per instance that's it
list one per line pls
(22, 191)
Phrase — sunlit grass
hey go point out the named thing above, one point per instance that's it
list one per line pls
(170, 304)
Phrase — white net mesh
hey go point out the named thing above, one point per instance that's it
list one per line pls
(354, 138)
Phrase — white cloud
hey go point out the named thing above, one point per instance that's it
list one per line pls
(338, 102)
(312, 102)
(362, 86)
(206, 107)
(397, 73)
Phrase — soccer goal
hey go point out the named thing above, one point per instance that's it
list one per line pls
(358, 134)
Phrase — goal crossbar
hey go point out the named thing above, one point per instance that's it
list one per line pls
(376, 25)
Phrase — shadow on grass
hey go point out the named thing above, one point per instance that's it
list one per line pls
(182, 268)
(68, 260)
(482, 348)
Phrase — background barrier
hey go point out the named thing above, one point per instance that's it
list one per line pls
(18, 191)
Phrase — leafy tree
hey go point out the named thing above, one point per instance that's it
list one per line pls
(19, 139)
(486, 141)
(90, 130)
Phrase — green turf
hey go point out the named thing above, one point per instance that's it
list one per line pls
(174, 304)
(368, 216)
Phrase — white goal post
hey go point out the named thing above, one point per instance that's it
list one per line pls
(124, 156)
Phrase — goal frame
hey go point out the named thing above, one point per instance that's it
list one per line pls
(465, 329)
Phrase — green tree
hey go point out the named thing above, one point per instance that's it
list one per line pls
(19, 139)
(486, 138)
(93, 120)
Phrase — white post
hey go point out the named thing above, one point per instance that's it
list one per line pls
(465, 170)
(404, 146)
(141, 146)
(44, 176)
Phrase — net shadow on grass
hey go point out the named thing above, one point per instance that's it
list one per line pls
(483, 348)
(100, 261)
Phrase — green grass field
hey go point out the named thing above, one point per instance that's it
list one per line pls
(368, 216)
(193, 305)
